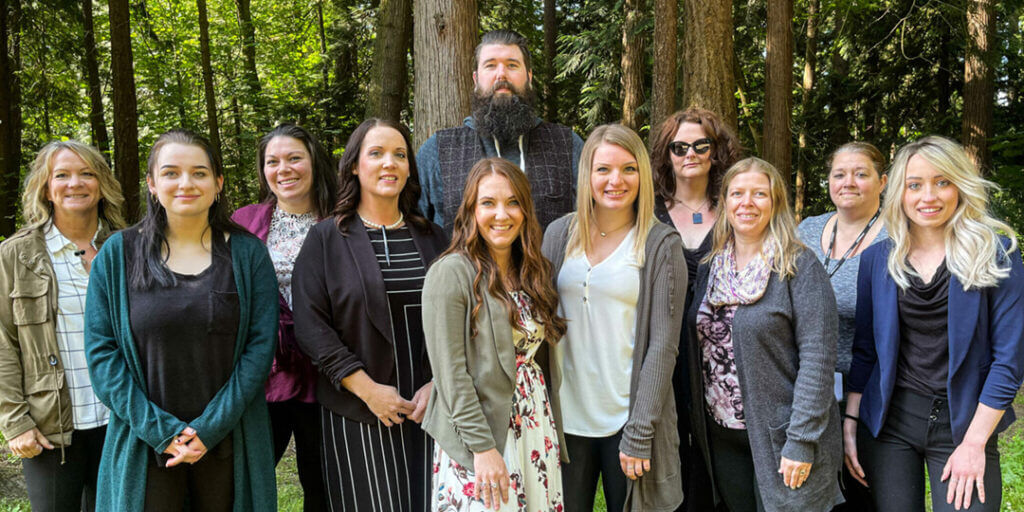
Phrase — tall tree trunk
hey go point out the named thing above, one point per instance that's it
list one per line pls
(92, 77)
(978, 81)
(810, 61)
(390, 57)
(212, 125)
(126, 129)
(741, 88)
(779, 85)
(550, 51)
(663, 77)
(445, 34)
(10, 113)
(708, 79)
(326, 66)
(250, 77)
(632, 65)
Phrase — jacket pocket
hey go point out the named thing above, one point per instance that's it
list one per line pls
(29, 300)
(43, 394)
(223, 306)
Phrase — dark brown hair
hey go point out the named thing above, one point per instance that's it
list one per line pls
(348, 183)
(325, 184)
(529, 269)
(725, 151)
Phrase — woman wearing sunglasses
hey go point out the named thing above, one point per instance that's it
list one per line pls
(691, 152)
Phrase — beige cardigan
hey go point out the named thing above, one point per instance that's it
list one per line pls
(474, 380)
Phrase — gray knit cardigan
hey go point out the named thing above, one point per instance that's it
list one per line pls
(650, 431)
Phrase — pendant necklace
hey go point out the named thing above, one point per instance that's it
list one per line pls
(384, 231)
(697, 216)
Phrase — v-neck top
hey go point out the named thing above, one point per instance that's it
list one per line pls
(923, 363)
(600, 303)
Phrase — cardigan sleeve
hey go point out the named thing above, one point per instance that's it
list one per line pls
(252, 366)
(815, 327)
(313, 311)
(666, 317)
(864, 355)
(1007, 331)
(446, 302)
(109, 372)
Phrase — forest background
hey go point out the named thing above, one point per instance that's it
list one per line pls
(794, 78)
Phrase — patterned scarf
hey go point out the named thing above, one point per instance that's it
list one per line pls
(727, 286)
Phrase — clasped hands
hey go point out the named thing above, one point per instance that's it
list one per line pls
(186, 447)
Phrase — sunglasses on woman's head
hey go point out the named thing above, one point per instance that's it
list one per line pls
(680, 148)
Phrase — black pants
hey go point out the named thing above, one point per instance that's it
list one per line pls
(302, 420)
(733, 466)
(56, 487)
(593, 458)
(208, 485)
(917, 433)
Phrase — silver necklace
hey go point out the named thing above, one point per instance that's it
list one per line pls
(697, 217)
(384, 231)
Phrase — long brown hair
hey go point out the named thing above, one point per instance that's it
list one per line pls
(529, 269)
(725, 151)
(349, 190)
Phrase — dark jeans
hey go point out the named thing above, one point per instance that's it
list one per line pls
(593, 457)
(208, 485)
(733, 467)
(917, 433)
(71, 486)
(303, 421)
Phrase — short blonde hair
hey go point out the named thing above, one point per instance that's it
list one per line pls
(37, 208)
(781, 226)
(973, 249)
(622, 136)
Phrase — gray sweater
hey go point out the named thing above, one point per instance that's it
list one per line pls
(785, 348)
(650, 431)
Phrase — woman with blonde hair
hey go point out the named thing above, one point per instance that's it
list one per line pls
(621, 279)
(937, 355)
(49, 413)
(490, 315)
(762, 350)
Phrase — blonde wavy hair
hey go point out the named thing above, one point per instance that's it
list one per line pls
(781, 226)
(973, 249)
(625, 138)
(37, 208)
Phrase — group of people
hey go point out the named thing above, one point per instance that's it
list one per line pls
(506, 318)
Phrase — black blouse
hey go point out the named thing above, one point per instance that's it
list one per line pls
(923, 363)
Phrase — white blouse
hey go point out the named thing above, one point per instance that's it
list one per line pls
(599, 302)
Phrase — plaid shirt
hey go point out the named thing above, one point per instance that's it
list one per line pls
(72, 283)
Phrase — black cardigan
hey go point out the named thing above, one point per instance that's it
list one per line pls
(341, 313)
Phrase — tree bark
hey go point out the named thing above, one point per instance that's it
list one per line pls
(445, 35)
(388, 75)
(326, 66)
(250, 77)
(978, 82)
(708, 79)
(741, 88)
(92, 77)
(663, 77)
(632, 65)
(126, 129)
(550, 51)
(810, 61)
(212, 125)
(778, 84)
(10, 113)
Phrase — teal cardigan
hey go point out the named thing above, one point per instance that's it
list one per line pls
(138, 427)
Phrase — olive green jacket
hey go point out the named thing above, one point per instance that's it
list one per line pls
(33, 389)
(474, 379)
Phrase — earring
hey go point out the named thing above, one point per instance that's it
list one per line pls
(216, 198)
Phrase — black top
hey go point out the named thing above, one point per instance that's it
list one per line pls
(403, 280)
(923, 364)
(185, 334)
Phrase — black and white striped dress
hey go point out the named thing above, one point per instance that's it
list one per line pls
(373, 467)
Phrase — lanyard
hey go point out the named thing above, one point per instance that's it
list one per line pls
(832, 245)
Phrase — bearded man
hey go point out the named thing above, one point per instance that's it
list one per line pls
(503, 124)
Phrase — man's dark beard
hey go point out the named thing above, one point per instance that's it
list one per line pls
(505, 117)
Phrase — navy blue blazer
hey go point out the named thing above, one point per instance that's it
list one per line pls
(986, 343)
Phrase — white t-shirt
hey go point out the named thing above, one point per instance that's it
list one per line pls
(599, 302)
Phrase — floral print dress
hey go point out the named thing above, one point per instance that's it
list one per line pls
(531, 451)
